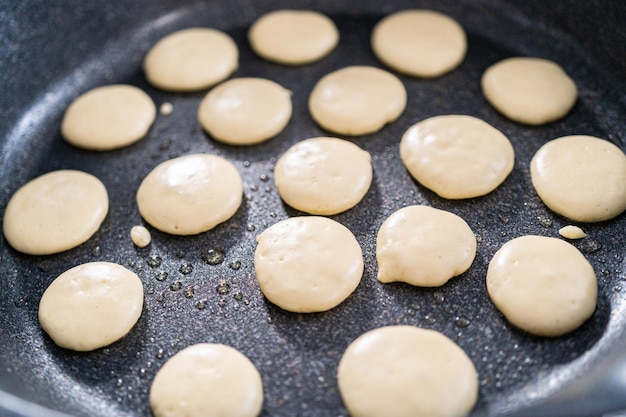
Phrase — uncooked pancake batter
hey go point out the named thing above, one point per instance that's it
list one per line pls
(245, 111)
(307, 264)
(542, 285)
(191, 59)
(91, 305)
(190, 194)
(422, 43)
(55, 212)
(108, 117)
(457, 156)
(533, 91)
(293, 37)
(424, 246)
(207, 380)
(357, 100)
(405, 371)
(581, 177)
(323, 175)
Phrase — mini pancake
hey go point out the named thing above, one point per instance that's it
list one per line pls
(245, 111)
(357, 100)
(55, 212)
(293, 37)
(421, 43)
(533, 91)
(108, 117)
(191, 60)
(207, 380)
(323, 175)
(457, 156)
(423, 246)
(91, 305)
(190, 194)
(581, 177)
(307, 264)
(401, 371)
(542, 285)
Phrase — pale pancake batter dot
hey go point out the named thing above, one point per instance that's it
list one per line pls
(91, 305)
(190, 194)
(421, 43)
(457, 156)
(245, 111)
(293, 37)
(542, 285)
(572, 232)
(424, 246)
(207, 380)
(533, 91)
(357, 100)
(323, 175)
(405, 371)
(108, 117)
(191, 59)
(55, 212)
(581, 177)
(166, 109)
(307, 264)
(140, 236)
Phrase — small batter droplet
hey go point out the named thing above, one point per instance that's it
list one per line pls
(161, 276)
(213, 256)
(235, 265)
(201, 305)
(175, 286)
(186, 269)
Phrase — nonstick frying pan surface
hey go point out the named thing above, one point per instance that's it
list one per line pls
(54, 52)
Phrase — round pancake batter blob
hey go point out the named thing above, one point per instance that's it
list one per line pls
(323, 175)
(190, 194)
(423, 246)
(206, 380)
(457, 156)
(55, 212)
(533, 91)
(293, 37)
(191, 60)
(91, 305)
(542, 285)
(245, 111)
(357, 100)
(421, 43)
(108, 117)
(405, 371)
(307, 264)
(581, 177)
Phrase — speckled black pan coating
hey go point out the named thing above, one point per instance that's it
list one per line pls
(50, 52)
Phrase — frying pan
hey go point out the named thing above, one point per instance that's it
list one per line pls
(50, 52)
